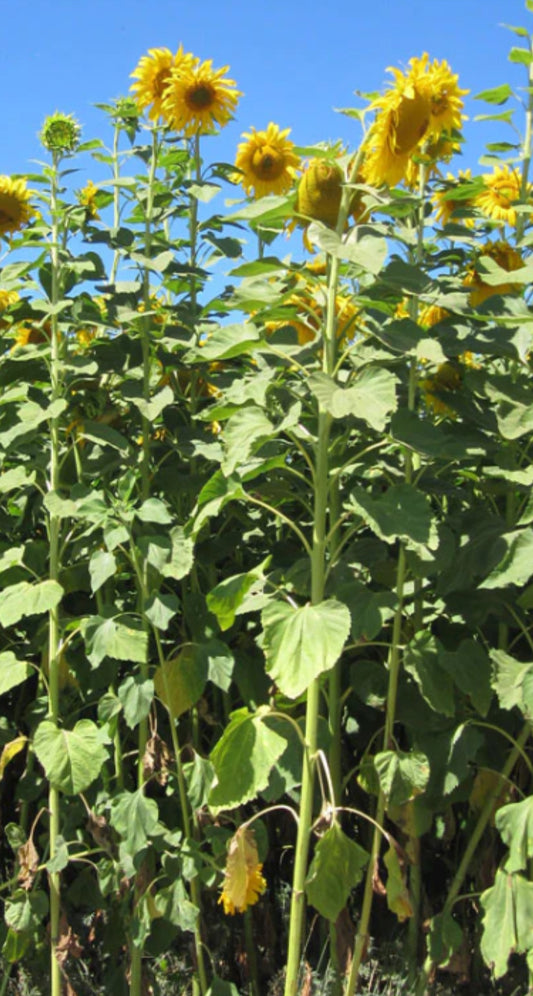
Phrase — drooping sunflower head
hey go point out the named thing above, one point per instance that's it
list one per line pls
(402, 120)
(199, 98)
(243, 881)
(500, 195)
(440, 86)
(152, 75)
(267, 162)
(507, 258)
(15, 208)
(60, 134)
(320, 191)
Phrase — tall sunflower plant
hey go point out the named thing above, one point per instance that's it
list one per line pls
(265, 567)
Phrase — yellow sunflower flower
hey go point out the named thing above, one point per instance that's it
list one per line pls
(243, 881)
(502, 191)
(508, 259)
(447, 377)
(197, 98)
(153, 76)
(422, 105)
(87, 198)
(432, 314)
(15, 209)
(446, 204)
(445, 96)
(7, 298)
(266, 160)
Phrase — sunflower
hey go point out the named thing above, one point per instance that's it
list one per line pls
(450, 199)
(87, 198)
(507, 258)
(308, 305)
(15, 209)
(445, 96)
(60, 133)
(423, 104)
(7, 298)
(197, 98)
(153, 76)
(502, 191)
(266, 161)
(243, 881)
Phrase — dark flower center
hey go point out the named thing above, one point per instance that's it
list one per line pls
(200, 96)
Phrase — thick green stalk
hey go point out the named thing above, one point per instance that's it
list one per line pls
(54, 568)
(522, 217)
(136, 953)
(116, 198)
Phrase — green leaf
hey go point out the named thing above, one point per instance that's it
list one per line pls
(61, 857)
(219, 987)
(25, 599)
(154, 510)
(521, 55)
(161, 608)
(12, 671)
(496, 95)
(337, 867)
(515, 824)
(242, 432)
(135, 818)
(181, 555)
(512, 681)
(199, 775)
(174, 904)
(299, 644)
(110, 638)
(421, 660)
(371, 397)
(370, 610)
(220, 662)
(136, 695)
(25, 910)
(402, 776)
(226, 342)
(469, 666)
(445, 938)
(243, 758)
(516, 564)
(507, 920)
(16, 945)
(401, 512)
(102, 566)
(225, 598)
(180, 681)
(368, 252)
(72, 759)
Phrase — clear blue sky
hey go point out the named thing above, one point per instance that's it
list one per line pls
(294, 61)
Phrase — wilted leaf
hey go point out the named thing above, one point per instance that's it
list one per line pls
(337, 867)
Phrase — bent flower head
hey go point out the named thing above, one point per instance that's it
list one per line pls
(243, 881)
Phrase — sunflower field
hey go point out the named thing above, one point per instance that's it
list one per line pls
(266, 551)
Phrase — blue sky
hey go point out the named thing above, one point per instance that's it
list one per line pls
(294, 61)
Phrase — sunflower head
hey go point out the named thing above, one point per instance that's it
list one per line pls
(197, 98)
(15, 208)
(454, 196)
(152, 75)
(87, 198)
(507, 258)
(501, 192)
(320, 191)
(7, 298)
(267, 162)
(440, 85)
(60, 134)
(243, 881)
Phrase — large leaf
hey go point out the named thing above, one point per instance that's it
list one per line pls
(243, 759)
(113, 638)
(136, 695)
(102, 566)
(401, 512)
(25, 599)
(516, 565)
(515, 823)
(12, 671)
(445, 938)
(226, 342)
(72, 759)
(371, 397)
(335, 870)
(135, 818)
(512, 681)
(242, 432)
(402, 776)
(299, 644)
(507, 920)
(225, 598)
(421, 660)
(469, 666)
(180, 681)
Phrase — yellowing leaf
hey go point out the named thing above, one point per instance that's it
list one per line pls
(10, 751)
